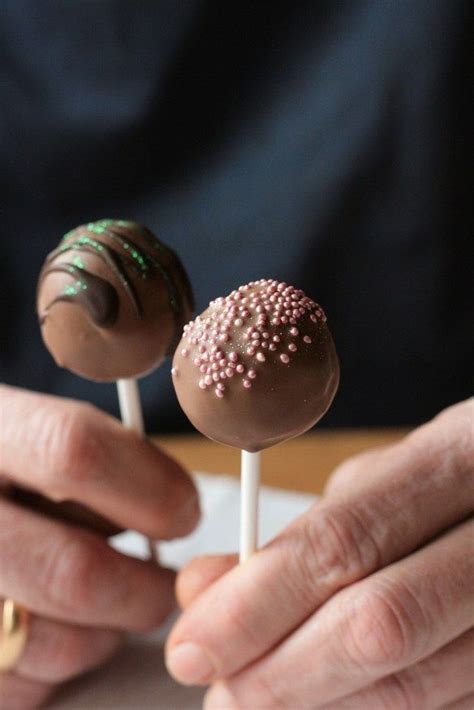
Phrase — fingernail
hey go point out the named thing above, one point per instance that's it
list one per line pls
(188, 664)
(219, 698)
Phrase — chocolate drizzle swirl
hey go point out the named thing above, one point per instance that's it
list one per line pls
(125, 254)
(96, 295)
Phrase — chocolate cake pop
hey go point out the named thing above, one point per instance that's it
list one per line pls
(257, 367)
(112, 300)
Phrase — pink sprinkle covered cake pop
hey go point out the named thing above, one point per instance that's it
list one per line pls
(256, 367)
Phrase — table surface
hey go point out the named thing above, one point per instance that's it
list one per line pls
(302, 464)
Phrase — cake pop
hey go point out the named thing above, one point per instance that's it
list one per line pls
(112, 300)
(257, 367)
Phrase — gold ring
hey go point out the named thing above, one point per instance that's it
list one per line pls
(13, 634)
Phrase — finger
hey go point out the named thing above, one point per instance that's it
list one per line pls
(357, 472)
(69, 450)
(67, 512)
(448, 435)
(18, 693)
(466, 703)
(68, 574)
(249, 610)
(442, 678)
(56, 652)
(199, 574)
(375, 628)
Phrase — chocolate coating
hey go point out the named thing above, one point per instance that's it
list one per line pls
(257, 367)
(112, 300)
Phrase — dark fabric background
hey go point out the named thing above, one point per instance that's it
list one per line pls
(322, 143)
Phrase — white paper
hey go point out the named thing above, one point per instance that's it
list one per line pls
(137, 679)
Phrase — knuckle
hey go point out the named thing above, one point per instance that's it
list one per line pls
(71, 448)
(404, 691)
(334, 545)
(70, 581)
(386, 628)
(447, 443)
(239, 624)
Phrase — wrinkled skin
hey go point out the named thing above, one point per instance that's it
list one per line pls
(364, 602)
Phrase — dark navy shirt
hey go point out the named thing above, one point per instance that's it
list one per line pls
(322, 143)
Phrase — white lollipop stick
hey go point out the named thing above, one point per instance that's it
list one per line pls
(250, 481)
(132, 418)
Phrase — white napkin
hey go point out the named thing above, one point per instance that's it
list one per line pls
(137, 679)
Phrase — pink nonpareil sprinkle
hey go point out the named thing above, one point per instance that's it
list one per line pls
(261, 318)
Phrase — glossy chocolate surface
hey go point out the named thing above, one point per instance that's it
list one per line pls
(112, 300)
(257, 367)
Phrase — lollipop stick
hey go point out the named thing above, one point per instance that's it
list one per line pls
(130, 405)
(250, 480)
(132, 418)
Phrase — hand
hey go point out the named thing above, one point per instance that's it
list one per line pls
(81, 594)
(365, 602)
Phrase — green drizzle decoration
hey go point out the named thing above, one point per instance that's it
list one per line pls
(120, 255)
